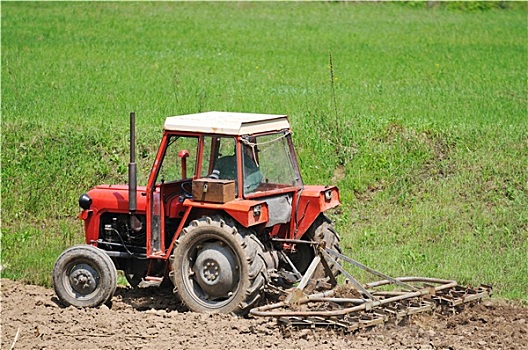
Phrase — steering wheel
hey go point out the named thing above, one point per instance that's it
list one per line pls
(187, 193)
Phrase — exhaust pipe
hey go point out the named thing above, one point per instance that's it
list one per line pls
(135, 224)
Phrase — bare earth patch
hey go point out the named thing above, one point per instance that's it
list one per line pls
(154, 319)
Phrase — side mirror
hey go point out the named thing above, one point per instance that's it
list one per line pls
(183, 154)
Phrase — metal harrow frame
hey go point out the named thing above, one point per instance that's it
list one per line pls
(378, 301)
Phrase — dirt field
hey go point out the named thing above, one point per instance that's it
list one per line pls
(137, 320)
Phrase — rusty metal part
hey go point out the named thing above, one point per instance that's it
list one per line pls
(294, 241)
(295, 272)
(354, 322)
(366, 268)
(296, 295)
(348, 276)
(267, 310)
(461, 295)
(381, 301)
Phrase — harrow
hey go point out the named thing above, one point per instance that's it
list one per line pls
(355, 305)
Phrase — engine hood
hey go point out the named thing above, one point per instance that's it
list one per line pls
(114, 198)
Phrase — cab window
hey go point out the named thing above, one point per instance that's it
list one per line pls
(179, 161)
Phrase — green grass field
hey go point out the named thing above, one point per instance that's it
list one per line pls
(424, 126)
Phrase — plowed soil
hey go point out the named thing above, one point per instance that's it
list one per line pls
(153, 319)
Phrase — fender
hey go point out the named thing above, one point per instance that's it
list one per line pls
(313, 201)
(246, 212)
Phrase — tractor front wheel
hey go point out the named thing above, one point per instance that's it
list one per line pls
(84, 276)
(218, 267)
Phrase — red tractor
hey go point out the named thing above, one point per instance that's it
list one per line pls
(224, 215)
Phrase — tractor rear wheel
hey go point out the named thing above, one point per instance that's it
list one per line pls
(321, 230)
(218, 267)
(84, 276)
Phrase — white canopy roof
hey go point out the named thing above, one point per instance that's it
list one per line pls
(227, 123)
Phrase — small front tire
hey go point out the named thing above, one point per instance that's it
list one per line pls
(84, 276)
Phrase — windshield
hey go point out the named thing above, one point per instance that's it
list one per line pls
(179, 161)
(269, 163)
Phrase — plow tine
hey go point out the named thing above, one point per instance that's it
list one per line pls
(355, 282)
(459, 295)
(368, 269)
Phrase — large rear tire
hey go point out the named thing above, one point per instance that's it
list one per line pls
(218, 267)
(321, 230)
(84, 276)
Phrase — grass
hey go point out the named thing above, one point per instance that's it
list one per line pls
(427, 138)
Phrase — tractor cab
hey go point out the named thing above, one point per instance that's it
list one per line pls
(253, 150)
(241, 163)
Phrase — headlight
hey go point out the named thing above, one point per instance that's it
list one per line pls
(85, 201)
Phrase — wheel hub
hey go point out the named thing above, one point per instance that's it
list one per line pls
(210, 271)
(215, 270)
(83, 279)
